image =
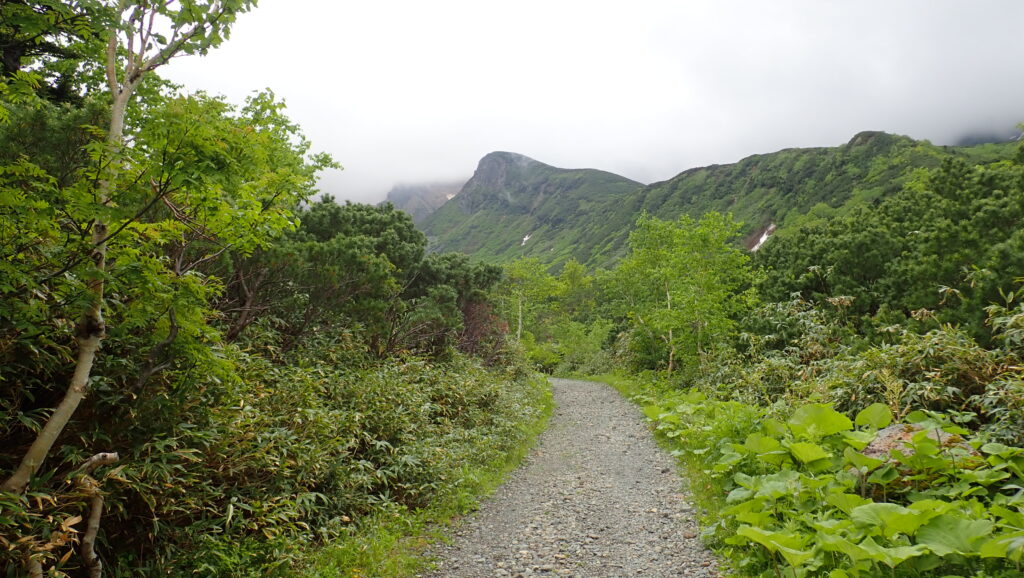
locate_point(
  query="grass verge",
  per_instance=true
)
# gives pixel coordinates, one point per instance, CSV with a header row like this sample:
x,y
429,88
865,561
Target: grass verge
x,y
390,544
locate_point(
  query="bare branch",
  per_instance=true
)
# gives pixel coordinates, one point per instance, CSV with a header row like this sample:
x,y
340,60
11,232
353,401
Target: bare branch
x,y
207,258
102,459
172,48
92,489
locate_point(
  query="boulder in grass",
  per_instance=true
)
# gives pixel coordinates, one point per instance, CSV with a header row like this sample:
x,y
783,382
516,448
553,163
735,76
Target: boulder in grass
x,y
900,437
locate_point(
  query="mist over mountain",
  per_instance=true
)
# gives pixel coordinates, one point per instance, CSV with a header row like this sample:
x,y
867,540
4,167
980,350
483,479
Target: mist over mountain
x,y
422,199
988,137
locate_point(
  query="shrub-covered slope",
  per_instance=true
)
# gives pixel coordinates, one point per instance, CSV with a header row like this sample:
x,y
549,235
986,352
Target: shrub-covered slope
x,y
511,197
587,215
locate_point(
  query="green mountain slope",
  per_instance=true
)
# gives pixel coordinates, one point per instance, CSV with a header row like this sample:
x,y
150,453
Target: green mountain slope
x,y
793,186
512,196
587,215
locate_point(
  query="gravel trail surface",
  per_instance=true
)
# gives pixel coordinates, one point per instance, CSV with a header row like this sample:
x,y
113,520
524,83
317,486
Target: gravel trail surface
x,y
596,497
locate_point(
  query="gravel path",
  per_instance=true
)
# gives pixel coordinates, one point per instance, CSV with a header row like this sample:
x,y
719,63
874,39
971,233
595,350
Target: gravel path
x,y
596,497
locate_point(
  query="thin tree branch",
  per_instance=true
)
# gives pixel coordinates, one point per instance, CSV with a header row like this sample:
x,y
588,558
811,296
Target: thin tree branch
x,y
92,489
138,215
152,368
102,459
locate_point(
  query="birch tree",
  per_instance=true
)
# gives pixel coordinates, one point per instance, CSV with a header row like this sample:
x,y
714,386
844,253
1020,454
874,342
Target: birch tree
x,y
680,283
142,37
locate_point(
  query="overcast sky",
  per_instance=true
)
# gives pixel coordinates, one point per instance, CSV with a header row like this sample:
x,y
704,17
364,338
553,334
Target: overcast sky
x,y
414,90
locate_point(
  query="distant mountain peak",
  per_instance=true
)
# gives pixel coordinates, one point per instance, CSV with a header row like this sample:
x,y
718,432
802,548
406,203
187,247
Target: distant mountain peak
x,y
497,168
515,205
878,139
504,157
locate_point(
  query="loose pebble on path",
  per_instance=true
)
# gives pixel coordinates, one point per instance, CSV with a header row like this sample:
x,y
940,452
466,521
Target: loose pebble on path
x,y
595,498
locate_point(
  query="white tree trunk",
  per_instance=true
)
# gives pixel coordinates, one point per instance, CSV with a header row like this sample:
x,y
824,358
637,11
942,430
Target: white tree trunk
x,y
90,331
519,322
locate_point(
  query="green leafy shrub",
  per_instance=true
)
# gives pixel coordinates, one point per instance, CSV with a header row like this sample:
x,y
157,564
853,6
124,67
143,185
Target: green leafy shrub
x,y
296,456
812,504
796,352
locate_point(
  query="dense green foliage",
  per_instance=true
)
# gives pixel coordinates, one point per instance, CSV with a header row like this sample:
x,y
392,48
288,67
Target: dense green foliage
x,y
63,36
775,464
667,305
690,292
951,237
857,410
276,375
798,488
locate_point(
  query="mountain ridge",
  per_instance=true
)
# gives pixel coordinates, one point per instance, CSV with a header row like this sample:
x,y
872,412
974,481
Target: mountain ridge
x,y
515,206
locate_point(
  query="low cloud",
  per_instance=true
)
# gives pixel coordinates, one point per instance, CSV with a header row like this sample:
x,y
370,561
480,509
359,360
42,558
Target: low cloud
x,y
409,91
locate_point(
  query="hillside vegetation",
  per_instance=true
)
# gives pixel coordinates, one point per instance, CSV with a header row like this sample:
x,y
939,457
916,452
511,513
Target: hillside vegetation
x,y
587,215
511,197
205,370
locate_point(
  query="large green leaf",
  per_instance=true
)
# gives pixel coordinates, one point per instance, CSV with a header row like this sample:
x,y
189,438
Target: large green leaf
x,y
859,439
874,416
815,421
984,477
807,452
751,512
1003,546
833,543
846,502
884,475
653,412
767,449
1006,456
860,460
892,519
760,444
891,557
779,484
948,534
933,507
785,543
1001,450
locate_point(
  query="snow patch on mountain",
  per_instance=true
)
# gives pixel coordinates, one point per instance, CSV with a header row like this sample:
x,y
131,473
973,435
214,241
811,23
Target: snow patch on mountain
x,y
764,237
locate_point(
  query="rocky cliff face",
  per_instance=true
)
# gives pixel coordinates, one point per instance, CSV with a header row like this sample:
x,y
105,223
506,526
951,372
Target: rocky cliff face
x,y
503,169
504,179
